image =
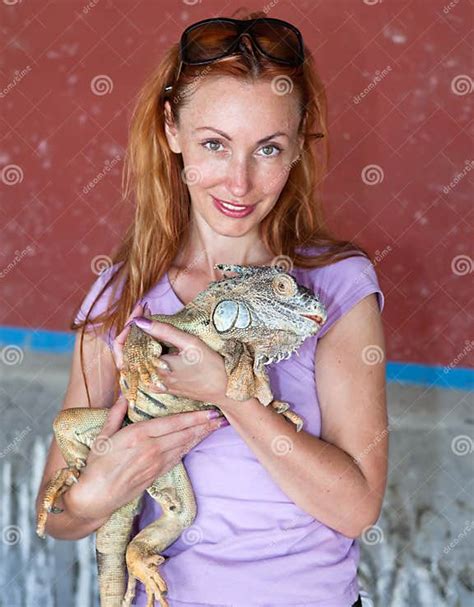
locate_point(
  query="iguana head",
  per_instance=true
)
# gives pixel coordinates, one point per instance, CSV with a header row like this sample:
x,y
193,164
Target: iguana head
x,y
264,307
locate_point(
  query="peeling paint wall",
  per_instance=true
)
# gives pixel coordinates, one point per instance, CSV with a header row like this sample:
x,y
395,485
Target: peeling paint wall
x,y
399,81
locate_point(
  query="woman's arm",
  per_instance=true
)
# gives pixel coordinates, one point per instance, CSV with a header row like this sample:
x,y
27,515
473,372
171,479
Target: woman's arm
x,y
339,478
100,372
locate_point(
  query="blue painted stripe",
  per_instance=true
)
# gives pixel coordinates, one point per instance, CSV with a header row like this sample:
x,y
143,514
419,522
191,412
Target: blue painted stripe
x,y
60,342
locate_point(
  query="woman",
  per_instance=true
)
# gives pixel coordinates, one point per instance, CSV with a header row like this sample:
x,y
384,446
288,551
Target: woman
x,y
223,159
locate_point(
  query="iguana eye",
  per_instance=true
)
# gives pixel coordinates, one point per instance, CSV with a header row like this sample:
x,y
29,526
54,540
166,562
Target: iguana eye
x,y
284,285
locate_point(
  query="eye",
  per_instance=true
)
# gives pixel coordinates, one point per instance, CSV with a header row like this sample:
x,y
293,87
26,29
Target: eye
x,y
275,147
284,285
212,142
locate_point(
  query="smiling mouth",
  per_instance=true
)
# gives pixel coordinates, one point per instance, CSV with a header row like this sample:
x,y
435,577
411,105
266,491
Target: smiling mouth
x,y
232,206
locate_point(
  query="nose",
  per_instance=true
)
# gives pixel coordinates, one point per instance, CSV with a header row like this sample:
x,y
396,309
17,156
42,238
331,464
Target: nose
x,y
238,177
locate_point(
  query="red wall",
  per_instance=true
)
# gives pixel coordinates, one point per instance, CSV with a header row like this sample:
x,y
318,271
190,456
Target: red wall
x,y
413,123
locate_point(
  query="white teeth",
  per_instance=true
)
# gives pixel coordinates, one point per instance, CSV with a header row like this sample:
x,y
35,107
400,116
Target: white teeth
x,y
232,207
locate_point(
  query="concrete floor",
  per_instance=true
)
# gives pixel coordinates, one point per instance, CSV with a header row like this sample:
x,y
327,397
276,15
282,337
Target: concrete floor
x,y
419,554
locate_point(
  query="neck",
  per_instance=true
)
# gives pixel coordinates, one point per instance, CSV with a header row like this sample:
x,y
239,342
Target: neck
x,y
205,248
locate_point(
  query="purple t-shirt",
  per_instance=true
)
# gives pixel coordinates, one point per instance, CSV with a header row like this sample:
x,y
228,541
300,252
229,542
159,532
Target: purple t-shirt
x,y
250,545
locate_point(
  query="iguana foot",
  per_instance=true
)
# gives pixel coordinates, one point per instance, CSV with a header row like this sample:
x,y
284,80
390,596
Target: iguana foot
x,y
283,408
62,480
143,565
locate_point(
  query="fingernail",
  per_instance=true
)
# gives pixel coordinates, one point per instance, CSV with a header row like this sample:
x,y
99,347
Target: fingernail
x,y
223,422
162,364
160,386
213,414
142,322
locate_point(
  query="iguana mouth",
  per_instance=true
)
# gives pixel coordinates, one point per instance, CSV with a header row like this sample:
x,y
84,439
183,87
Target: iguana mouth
x,y
315,317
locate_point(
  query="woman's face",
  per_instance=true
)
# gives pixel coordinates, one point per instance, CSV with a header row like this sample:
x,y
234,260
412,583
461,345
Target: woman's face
x,y
248,161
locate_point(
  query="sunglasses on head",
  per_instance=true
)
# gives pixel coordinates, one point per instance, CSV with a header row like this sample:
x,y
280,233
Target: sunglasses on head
x,y
212,39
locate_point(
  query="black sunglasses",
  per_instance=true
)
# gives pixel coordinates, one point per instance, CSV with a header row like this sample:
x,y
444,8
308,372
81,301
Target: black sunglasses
x,y
212,39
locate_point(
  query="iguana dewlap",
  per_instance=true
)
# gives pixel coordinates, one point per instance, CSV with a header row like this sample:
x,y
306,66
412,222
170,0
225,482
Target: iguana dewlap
x,y
257,317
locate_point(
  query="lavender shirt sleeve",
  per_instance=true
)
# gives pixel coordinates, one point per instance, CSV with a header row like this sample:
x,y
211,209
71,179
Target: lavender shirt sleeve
x,y
102,304
343,284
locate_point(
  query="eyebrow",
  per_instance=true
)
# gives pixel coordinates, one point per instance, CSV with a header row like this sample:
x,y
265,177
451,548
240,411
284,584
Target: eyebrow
x,y
210,128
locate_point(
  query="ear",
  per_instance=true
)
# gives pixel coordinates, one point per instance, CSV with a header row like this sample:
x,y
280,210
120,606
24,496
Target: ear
x,y
171,131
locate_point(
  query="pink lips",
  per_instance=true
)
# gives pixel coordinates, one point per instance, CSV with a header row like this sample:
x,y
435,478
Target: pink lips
x,y
232,213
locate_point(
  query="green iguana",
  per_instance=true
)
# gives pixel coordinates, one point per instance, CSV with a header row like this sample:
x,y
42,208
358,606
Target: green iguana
x,y
260,316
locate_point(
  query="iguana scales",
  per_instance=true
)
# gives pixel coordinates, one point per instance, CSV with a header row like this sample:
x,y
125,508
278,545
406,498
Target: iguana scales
x,y
257,317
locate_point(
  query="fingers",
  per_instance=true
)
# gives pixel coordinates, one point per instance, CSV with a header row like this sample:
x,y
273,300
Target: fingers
x,y
163,331
115,417
179,443
161,426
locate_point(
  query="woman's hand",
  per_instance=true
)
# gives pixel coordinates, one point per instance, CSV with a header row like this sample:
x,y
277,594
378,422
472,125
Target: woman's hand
x,y
196,372
125,461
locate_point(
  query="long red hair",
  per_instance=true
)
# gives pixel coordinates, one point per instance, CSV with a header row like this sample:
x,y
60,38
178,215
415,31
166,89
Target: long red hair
x,y
152,181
